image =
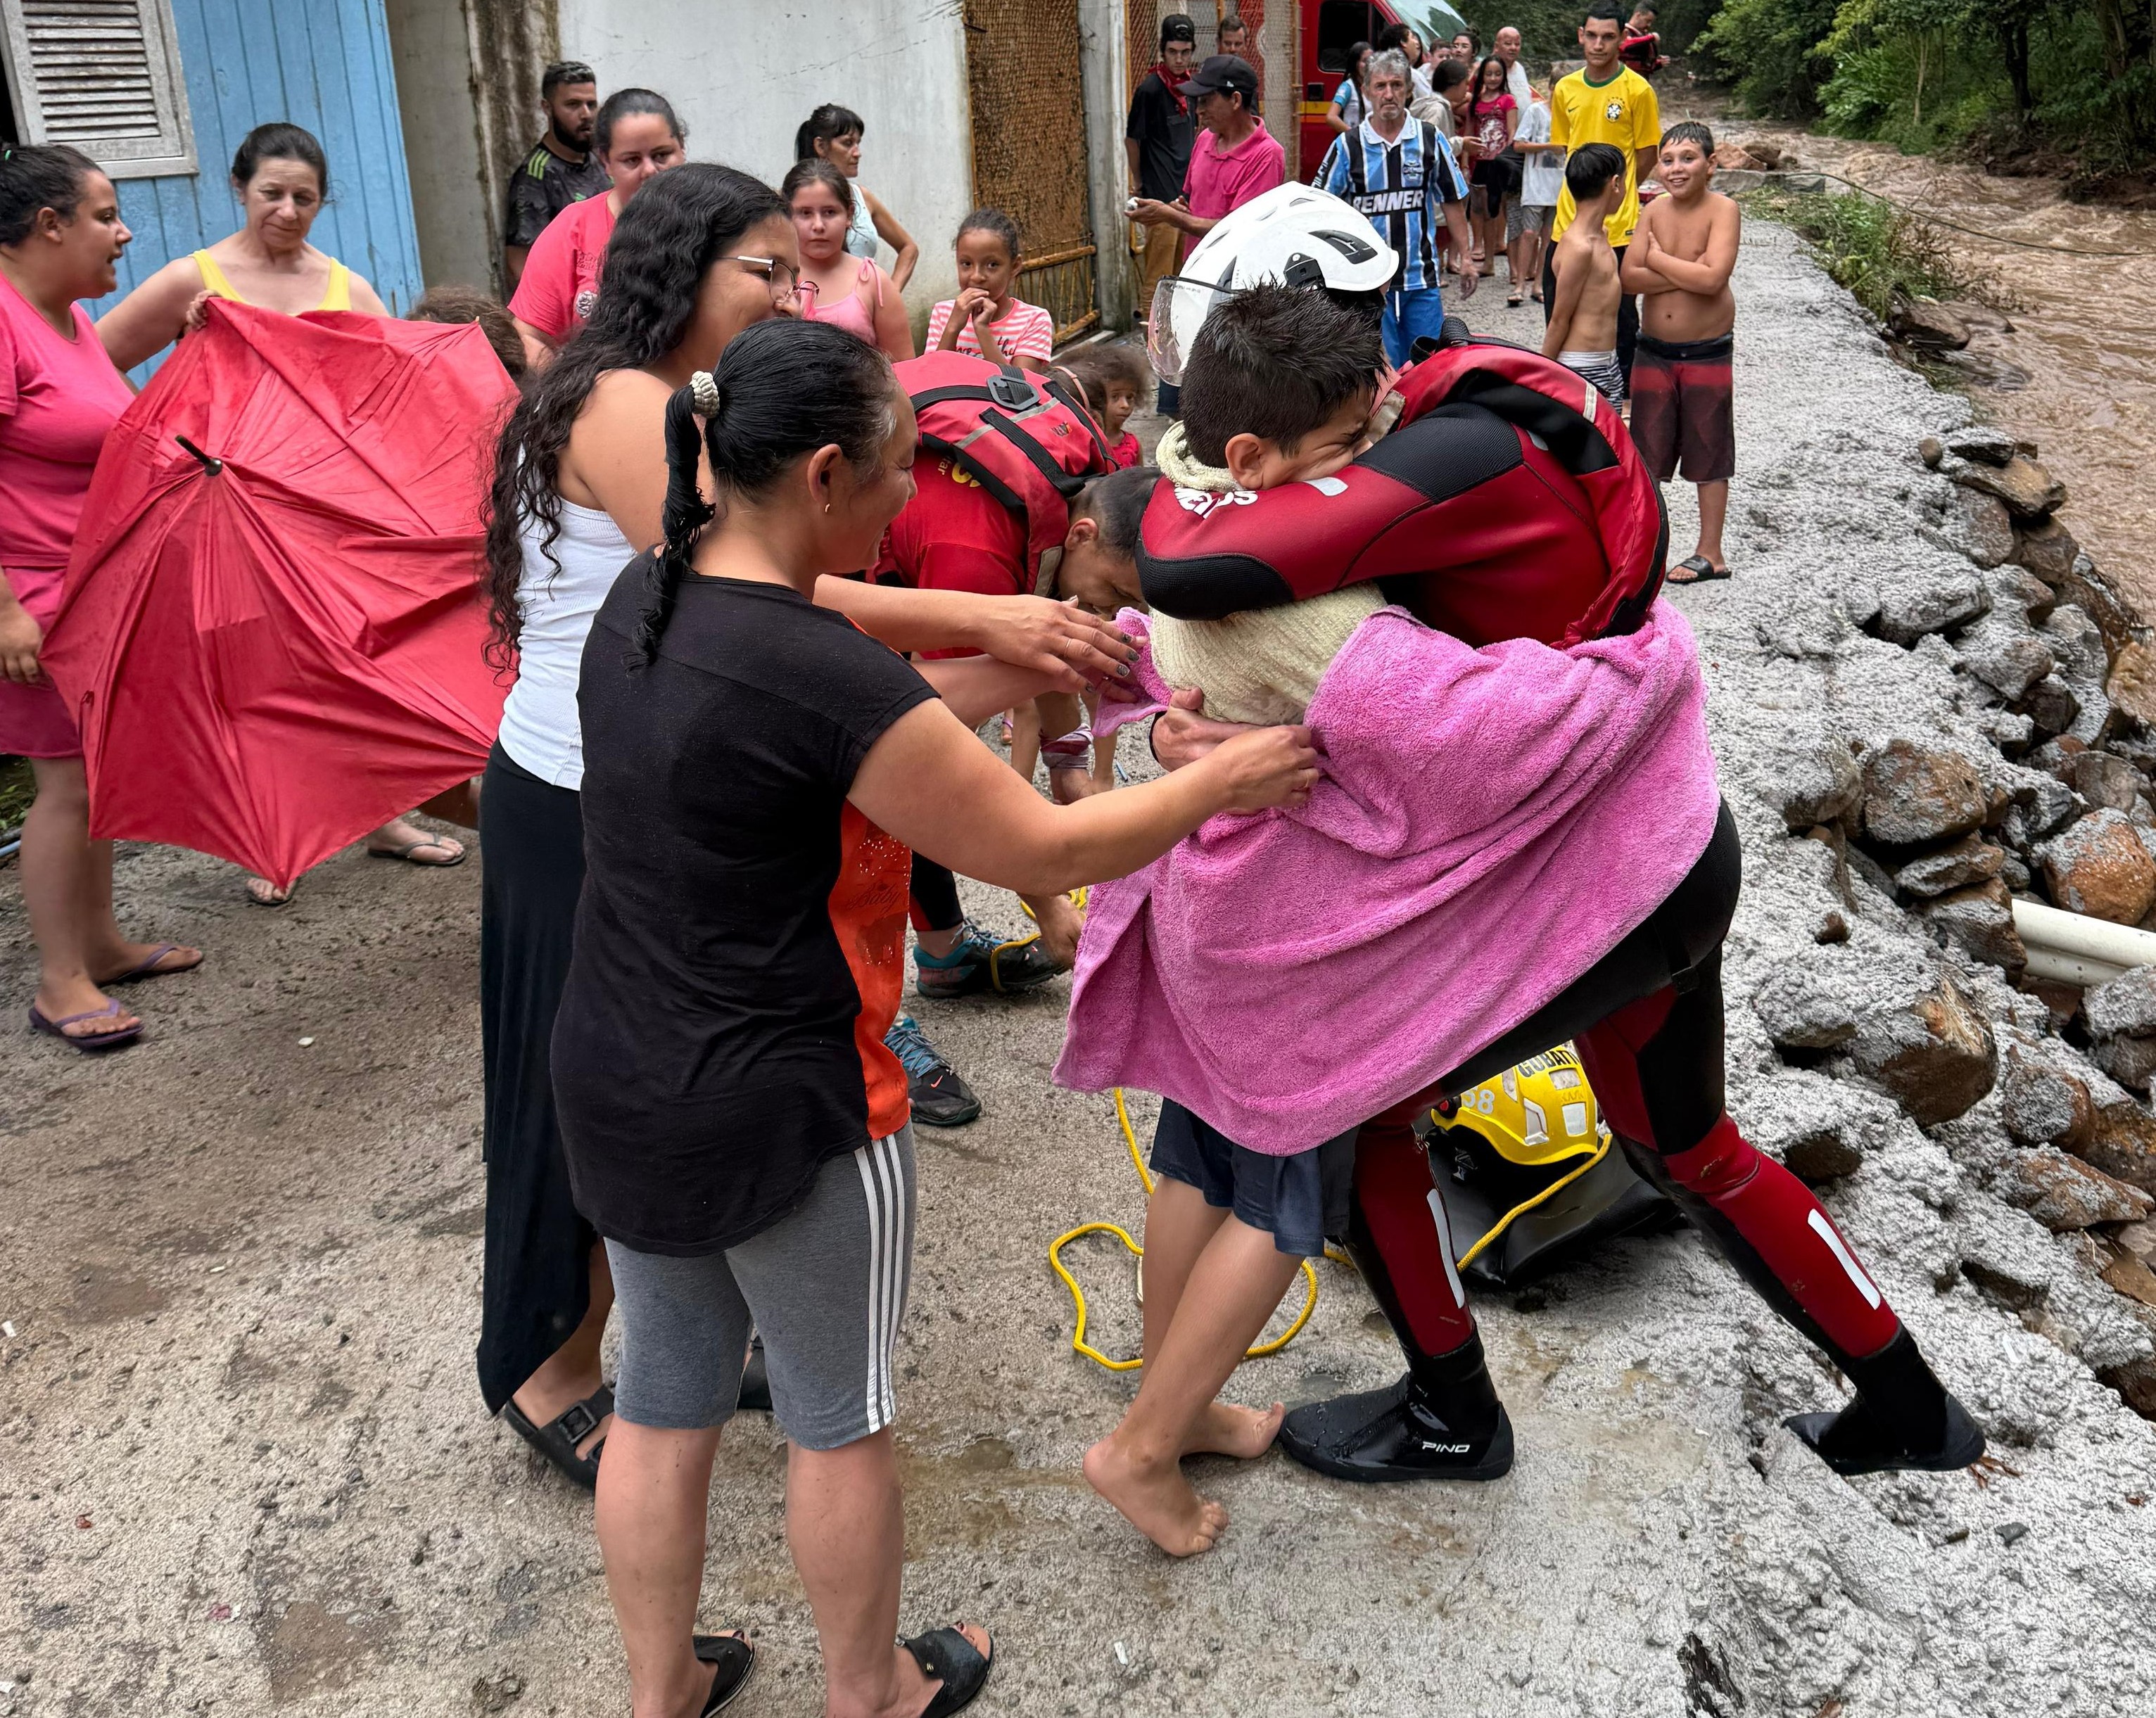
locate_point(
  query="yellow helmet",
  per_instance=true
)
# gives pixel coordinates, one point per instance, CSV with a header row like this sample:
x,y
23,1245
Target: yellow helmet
x,y
1542,1111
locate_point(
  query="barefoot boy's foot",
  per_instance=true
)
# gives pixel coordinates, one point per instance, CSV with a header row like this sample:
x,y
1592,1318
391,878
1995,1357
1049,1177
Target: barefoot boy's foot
x,y
1157,1501
1225,1428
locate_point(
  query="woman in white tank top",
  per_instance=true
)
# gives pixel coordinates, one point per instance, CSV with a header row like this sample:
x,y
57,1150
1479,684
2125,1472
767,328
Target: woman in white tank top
x,y
579,489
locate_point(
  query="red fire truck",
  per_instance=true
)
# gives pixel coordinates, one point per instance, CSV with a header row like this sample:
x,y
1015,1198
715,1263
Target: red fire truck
x,y
1329,28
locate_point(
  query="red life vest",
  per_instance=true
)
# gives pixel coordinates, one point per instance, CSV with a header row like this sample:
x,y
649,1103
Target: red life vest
x,y
1023,437
1507,502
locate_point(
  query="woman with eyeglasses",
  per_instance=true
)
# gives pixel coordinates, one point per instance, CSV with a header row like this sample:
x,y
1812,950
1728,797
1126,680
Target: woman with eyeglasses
x,y
579,488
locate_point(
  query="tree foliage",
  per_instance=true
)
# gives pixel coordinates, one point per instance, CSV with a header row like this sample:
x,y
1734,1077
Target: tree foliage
x,y
2075,75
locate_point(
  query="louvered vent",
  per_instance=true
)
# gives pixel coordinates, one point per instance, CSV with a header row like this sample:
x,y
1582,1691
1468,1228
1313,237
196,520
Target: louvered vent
x,y
91,68
103,75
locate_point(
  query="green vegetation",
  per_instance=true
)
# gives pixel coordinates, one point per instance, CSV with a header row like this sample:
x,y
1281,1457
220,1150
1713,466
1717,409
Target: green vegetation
x,y
2077,77
1549,30
16,792
1876,251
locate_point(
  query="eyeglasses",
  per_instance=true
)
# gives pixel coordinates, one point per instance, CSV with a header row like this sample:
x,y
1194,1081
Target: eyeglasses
x,y
783,278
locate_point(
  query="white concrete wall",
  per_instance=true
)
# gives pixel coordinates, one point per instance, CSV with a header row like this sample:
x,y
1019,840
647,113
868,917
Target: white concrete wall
x,y
452,193
743,75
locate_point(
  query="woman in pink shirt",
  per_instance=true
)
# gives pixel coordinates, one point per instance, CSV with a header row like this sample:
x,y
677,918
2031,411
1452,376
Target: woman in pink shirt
x,y
836,285
636,135
61,236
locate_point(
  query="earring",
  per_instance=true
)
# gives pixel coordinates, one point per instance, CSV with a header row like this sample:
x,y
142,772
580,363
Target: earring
x,y
827,506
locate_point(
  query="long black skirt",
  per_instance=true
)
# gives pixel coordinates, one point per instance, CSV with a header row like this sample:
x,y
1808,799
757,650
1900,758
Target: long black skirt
x,y
536,1287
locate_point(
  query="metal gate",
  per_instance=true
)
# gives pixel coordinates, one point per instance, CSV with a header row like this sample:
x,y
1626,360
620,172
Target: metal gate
x,y
1029,118
1271,25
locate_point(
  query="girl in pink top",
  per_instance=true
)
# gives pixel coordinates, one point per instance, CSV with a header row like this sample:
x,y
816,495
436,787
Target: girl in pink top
x,y
635,135
61,236
1497,122
837,286
985,318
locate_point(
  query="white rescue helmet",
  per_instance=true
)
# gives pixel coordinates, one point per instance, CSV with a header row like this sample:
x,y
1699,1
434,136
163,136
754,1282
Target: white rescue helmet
x,y
1294,232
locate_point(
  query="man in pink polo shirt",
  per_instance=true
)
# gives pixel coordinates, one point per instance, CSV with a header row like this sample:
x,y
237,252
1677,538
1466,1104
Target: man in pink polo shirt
x,y
1235,161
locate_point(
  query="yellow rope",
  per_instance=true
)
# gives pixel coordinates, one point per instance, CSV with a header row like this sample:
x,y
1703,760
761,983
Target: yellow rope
x,y
1078,1342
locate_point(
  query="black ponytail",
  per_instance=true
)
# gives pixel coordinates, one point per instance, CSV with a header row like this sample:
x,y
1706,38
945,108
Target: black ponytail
x,y
781,390
826,125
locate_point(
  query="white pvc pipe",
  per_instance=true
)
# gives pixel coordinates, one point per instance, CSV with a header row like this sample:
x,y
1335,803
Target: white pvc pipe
x,y
2057,969
2094,940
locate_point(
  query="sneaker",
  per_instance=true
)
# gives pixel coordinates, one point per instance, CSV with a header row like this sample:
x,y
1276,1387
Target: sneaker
x,y
978,962
940,1098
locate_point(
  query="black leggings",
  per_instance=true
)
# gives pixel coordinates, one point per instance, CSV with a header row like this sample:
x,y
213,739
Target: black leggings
x,y
536,1286
1648,1020
935,897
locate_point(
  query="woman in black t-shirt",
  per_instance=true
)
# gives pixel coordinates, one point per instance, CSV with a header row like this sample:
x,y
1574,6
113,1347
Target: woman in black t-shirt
x,y
755,768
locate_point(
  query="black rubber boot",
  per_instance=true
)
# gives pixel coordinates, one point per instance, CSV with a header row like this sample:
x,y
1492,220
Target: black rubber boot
x,y
1902,1418
1442,1421
755,1381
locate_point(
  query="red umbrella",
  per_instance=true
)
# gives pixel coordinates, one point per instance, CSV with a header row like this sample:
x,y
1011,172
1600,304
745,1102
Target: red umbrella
x,y
271,632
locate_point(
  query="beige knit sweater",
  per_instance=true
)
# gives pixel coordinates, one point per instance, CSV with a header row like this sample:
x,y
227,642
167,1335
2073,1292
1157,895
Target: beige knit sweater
x,y
1262,665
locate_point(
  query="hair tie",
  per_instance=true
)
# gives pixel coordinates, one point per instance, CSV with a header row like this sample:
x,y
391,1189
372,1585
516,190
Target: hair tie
x,y
704,393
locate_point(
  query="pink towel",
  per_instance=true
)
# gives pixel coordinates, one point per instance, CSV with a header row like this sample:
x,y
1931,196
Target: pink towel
x,y
1493,822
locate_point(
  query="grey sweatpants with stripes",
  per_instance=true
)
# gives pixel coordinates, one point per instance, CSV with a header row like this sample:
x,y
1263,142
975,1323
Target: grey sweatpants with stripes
x,y
824,1285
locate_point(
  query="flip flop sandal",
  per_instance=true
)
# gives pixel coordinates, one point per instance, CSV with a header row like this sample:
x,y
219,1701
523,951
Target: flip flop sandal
x,y
1512,298
736,1660
149,968
266,896
95,1044
558,1439
1702,570
946,1656
409,848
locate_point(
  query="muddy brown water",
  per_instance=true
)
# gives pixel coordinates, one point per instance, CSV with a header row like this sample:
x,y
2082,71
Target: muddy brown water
x,y
2077,373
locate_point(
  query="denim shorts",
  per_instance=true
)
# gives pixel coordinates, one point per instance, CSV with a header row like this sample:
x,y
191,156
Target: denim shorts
x,y
1298,1200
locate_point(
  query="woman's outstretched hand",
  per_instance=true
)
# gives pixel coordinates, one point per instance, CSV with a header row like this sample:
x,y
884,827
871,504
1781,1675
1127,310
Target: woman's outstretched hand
x,y
1261,767
1059,639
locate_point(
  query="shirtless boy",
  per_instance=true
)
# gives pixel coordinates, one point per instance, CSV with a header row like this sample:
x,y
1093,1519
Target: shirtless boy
x,y
1582,334
1679,262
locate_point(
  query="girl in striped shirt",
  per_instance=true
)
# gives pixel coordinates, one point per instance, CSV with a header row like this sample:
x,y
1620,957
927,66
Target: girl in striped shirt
x,y
984,319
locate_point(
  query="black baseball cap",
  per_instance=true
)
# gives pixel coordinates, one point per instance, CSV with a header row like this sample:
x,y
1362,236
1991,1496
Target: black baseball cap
x,y
1221,72
1177,27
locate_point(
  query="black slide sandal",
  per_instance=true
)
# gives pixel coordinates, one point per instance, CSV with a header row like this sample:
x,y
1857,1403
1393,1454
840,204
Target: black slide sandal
x,y
946,1656
1702,570
558,1439
736,1662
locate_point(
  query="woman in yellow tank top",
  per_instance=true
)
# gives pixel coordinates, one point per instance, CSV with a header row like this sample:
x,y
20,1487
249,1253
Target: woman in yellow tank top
x,y
281,178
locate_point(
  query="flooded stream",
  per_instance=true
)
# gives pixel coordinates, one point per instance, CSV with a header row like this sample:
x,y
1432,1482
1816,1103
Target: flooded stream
x,y
2077,373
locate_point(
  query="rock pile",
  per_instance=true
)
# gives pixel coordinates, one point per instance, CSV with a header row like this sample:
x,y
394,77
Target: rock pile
x,y
2031,779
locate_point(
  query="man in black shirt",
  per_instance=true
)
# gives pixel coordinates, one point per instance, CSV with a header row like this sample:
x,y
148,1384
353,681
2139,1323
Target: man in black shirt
x,y
1156,141
561,169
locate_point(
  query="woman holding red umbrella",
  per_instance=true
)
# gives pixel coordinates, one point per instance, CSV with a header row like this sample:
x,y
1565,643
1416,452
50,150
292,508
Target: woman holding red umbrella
x,y
61,236
281,178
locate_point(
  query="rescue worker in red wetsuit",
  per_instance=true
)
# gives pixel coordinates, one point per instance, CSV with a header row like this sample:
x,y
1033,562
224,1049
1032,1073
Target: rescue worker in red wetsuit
x,y
1509,503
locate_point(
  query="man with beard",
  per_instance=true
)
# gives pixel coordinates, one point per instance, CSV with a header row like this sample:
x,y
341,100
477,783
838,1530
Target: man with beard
x,y
561,169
